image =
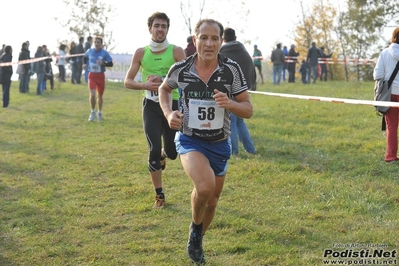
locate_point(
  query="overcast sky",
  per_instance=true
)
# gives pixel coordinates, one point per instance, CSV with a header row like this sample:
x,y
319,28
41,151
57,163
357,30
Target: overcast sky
x,y
266,25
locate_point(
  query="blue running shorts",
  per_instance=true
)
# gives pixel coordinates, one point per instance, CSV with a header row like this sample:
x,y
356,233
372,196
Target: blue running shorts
x,y
217,152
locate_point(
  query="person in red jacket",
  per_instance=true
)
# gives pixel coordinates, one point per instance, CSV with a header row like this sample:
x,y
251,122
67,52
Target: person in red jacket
x,y
190,49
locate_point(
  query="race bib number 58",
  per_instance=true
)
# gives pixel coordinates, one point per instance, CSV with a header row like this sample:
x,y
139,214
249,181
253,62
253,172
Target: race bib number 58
x,y
205,114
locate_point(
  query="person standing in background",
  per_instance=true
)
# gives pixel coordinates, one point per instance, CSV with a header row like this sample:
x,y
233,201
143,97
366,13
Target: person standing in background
x,y
386,63
257,57
48,70
304,70
285,51
5,74
236,51
61,60
278,59
79,60
24,76
292,57
31,64
154,60
72,61
323,64
2,49
88,43
190,49
39,69
313,60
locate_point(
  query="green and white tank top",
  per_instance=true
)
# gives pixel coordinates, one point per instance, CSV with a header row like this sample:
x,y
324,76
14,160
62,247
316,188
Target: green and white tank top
x,y
157,64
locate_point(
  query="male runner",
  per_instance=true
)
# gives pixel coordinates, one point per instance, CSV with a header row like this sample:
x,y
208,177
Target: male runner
x,y
154,62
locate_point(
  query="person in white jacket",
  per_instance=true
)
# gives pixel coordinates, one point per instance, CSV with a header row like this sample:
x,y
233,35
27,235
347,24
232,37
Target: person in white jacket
x,y
386,63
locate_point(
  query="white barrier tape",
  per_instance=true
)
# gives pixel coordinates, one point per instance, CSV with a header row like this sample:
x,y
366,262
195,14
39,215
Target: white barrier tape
x,y
323,61
25,61
32,60
337,59
328,99
355,61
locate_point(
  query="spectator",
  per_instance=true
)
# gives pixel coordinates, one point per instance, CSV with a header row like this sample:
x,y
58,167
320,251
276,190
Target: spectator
x,y
61,60
88,43
323,64
292,57
31,72
72,61
236,51
5,74
386,63
277,59
313,60
190,49
79,60
48,70
304,70
24,77
285,51
2,50
257,57
39,69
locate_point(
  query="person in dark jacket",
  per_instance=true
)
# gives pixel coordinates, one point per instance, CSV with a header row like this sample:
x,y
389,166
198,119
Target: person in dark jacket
x,y
25,76
236,51
304,70
39,69
5,74
2,49
285,51
72,60
313,60
48,70
292,57
278,59
323,64
79,60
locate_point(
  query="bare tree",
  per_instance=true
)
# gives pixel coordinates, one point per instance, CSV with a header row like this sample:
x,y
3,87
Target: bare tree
x,y
363,23
186,8
89,17
235,15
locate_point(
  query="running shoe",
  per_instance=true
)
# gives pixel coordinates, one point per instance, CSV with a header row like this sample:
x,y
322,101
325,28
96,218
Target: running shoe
x,y
100,116
159,202
92,116
194,246
200,263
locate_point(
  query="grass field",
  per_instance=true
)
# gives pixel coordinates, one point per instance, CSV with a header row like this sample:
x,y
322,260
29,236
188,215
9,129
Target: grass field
x,y
79,193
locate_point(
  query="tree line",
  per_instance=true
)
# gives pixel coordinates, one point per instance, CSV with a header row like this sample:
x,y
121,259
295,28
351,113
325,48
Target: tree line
x,y
351,31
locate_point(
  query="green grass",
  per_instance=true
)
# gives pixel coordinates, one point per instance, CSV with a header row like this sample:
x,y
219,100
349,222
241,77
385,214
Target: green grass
x,y
79,193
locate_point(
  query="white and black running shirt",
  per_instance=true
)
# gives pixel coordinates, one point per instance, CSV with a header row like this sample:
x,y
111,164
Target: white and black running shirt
x,y
203,119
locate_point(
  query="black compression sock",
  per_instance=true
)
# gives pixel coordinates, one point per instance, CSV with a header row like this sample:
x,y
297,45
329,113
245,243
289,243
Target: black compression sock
x,y
159,191
197,227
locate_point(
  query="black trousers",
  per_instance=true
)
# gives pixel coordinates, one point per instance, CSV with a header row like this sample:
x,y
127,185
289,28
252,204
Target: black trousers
x,y
78,72
156,128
